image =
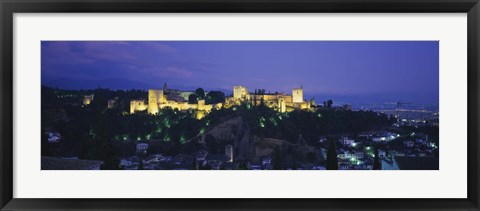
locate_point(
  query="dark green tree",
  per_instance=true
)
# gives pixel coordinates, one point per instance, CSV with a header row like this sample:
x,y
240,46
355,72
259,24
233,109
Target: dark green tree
x,y
103,148
195,164
332,162
376,160
45,148
294,164
392,119
311,157
192,99
242,166
214,97
277,165
330,103
100,99
140,165
262,103
200,93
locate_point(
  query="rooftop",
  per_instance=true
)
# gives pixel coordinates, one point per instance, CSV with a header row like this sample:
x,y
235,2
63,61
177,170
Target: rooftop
x,y
417,163
50,163
220,157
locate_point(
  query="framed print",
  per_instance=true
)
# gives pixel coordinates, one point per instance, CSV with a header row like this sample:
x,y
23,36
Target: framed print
x,y
239,105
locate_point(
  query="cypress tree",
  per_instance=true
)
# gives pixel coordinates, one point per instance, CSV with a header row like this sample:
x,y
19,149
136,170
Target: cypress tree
x,y
332,162
103,148
278,159
45,146
376,160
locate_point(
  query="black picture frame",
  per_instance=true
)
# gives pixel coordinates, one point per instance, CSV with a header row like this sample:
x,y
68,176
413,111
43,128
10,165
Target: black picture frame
x,y
9,7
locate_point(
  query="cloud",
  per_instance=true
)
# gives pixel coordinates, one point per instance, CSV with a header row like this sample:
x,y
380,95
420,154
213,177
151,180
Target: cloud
x,y
157,72
168,72
87,52
63,53
161,47
132,59
193,65
75,53
109,51
178,72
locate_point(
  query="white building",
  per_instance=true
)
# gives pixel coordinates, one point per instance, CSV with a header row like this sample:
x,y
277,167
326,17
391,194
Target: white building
x,y
240,92
349,155
385,136
346,141
379,139
54,137
382,154
131,161
409,143
319,168
266,160
297,95
421,141
142,148
229,153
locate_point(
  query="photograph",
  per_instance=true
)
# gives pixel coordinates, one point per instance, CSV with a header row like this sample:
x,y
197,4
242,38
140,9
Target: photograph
x,y
239,105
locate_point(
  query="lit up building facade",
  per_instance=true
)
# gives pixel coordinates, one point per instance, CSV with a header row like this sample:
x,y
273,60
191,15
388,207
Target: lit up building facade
x,y
279,101
297,95
229,153
155,97
87,99
171,98
240,92
176,99
112,103
137,105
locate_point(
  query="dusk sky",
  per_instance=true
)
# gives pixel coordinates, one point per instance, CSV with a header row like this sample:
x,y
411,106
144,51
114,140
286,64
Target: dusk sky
x,y
355,71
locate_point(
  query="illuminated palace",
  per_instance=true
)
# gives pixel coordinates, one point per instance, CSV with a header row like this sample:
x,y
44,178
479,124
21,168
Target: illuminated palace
x,y
173,98
279,101
176,99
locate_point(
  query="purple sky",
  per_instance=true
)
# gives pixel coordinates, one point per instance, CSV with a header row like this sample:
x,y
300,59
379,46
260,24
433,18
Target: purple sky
x,y
368,70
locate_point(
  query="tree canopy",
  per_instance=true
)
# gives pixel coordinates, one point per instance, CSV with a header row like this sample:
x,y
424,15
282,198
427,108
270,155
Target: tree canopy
x,y
200,93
